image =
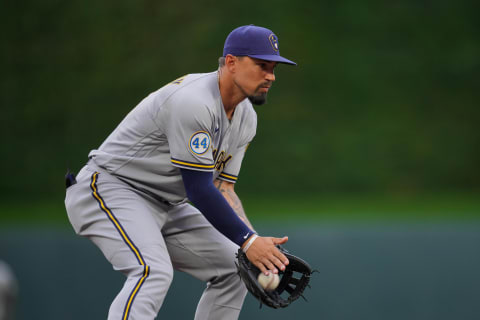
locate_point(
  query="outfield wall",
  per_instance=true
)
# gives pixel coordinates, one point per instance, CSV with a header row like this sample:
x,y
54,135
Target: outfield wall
x,y
380,271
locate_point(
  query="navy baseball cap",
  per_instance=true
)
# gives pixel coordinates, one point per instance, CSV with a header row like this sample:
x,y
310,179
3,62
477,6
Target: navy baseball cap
x,y
255,42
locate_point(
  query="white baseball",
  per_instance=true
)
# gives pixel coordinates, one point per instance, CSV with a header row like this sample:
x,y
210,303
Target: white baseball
x,y
269,282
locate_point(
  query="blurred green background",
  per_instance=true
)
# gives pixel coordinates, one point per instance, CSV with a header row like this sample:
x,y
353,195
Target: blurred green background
x,y
378,123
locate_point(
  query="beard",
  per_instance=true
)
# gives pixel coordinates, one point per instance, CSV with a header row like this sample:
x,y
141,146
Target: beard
x,y
258,99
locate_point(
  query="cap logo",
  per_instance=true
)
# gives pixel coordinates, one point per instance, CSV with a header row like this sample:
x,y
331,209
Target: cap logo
x,y
273,41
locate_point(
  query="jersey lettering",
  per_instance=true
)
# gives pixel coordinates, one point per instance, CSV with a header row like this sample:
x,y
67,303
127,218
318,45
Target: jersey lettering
x,y
179,80
220,159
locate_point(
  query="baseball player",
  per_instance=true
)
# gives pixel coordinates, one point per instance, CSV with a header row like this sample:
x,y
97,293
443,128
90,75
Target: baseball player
x,y
185,141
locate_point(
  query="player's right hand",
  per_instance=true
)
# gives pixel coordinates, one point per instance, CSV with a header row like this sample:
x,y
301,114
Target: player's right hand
x,y
265,256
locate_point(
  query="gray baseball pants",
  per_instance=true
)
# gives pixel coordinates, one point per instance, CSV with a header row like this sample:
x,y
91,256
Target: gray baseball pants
x,y
146,240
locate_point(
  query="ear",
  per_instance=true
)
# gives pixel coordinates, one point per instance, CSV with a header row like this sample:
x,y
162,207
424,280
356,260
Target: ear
x,y
231,63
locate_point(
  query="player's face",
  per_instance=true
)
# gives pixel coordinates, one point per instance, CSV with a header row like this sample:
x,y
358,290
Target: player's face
x,y
254,77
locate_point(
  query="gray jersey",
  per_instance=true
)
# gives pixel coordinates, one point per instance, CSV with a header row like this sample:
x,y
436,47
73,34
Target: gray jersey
x,y
182,125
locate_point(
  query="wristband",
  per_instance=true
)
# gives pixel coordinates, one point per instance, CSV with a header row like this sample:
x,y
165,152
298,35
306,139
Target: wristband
x,y
249,243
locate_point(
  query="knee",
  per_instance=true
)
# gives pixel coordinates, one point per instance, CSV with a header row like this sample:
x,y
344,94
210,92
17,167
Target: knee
x,y
238,286
160,274
232,286
226,268
228,277
153,283
154,275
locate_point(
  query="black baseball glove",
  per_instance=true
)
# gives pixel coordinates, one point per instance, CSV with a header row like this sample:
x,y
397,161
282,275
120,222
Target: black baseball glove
x,y
293,280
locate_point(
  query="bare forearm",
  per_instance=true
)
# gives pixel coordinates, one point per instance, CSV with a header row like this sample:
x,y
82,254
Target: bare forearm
x,y
233,200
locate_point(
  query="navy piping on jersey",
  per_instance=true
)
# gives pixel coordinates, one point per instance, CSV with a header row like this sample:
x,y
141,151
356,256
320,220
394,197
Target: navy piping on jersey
x,y
128,242
228,177
191,165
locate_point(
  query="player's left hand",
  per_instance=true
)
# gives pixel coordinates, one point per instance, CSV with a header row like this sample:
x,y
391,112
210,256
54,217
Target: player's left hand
x,y
293,280
264,254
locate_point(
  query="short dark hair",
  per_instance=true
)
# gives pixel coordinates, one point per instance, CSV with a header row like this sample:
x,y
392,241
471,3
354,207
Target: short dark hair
x,y
221,60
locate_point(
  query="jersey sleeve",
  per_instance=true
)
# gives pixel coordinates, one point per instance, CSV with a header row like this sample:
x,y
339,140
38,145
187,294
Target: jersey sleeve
x,y
233,161
232,168
188,130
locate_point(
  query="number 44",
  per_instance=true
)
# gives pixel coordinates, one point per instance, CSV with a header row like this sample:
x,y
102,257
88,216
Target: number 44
x,y
197,144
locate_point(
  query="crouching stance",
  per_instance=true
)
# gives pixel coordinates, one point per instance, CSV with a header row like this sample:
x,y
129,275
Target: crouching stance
x,y
182,144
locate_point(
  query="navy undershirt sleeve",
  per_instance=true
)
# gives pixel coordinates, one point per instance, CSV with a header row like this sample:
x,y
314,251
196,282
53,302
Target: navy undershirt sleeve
x,y
203,194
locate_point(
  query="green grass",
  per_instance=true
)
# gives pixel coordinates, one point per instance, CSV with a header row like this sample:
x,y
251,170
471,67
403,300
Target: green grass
x,y
336,208
356,208
37,213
